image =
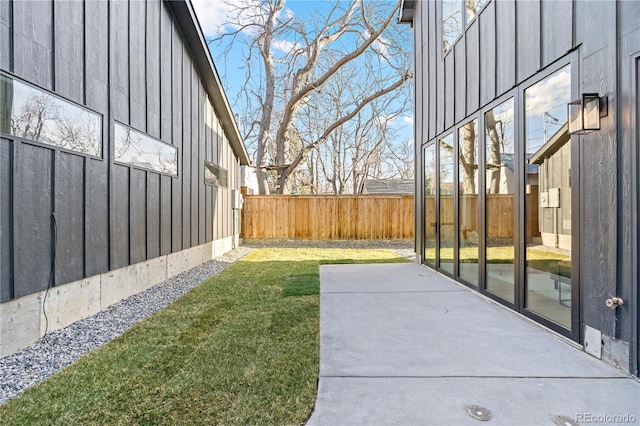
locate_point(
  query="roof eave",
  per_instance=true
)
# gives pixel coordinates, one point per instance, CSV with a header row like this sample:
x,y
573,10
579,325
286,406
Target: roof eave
x,y
187,20
406,12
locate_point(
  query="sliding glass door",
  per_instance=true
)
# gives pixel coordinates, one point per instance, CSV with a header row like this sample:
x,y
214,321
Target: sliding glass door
x,y
548,200
509,230
468,202
446,200
430,222
500,205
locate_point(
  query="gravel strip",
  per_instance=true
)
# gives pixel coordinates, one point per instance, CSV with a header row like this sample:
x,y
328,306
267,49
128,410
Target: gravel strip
x,y
59,348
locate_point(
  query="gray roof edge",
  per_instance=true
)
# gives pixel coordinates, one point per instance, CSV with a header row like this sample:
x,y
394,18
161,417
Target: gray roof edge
x,y
405,15
187,20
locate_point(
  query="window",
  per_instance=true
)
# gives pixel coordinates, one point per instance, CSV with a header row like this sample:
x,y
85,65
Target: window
x,y
472,8
447,212
468,201
548,197
454,13
430,180
214,175
140,150
500,200
451,23
30,113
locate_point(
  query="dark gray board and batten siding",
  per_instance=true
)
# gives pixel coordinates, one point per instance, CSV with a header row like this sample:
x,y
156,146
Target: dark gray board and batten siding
x,y
513,41
128,62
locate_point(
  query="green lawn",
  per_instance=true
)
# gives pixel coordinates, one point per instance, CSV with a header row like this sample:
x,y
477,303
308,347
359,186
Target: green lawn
x,y
242,348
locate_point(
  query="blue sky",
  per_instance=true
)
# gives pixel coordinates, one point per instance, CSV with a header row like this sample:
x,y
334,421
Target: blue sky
x,y
214,14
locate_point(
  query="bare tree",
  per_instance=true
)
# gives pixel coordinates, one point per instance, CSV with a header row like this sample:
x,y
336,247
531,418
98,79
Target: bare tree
x,y
468,156
297,58
41,117
496,136
400,158
364,147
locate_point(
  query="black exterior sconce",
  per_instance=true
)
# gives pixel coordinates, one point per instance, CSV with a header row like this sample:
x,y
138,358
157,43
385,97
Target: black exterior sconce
x,y
585,113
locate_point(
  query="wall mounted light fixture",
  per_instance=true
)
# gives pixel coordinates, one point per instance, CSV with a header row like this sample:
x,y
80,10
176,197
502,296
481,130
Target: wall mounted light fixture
x,y
585,113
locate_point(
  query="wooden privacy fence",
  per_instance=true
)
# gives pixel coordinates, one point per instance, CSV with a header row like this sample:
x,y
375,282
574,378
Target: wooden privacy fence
x,y
500,215
327,217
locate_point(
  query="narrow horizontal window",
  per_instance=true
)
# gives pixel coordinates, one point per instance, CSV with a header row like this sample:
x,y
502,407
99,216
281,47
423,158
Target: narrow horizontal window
x,y
30,113
214,175
141,150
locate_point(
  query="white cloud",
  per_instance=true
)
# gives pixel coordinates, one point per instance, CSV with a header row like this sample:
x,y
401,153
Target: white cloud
x,y
407,119
380,45
217,15
284,46
212,15
550,95
288,14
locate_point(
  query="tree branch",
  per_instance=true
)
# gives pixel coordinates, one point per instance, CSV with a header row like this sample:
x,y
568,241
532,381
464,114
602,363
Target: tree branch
x,y
348,117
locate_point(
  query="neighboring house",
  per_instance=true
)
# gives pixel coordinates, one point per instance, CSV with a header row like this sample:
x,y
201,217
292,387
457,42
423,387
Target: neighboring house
x,y
249,180
119,157
555,208
554,190
388,186
505,175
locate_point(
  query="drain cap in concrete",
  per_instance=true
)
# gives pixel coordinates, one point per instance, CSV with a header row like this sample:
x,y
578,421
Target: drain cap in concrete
x,y
478,412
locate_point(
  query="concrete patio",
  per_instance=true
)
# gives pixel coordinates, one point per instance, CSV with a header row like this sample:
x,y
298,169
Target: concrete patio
x,y
402,345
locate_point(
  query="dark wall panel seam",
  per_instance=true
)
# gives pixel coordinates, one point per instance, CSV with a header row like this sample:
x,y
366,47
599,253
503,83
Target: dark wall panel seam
x,y
162,136
129,71
84,214
55,159
107,146
11,39
146,70
11,220
173,181
53,47
515,41
540,30
84,58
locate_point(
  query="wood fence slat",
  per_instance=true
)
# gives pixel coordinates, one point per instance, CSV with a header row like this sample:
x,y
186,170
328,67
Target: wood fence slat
x,y
322,217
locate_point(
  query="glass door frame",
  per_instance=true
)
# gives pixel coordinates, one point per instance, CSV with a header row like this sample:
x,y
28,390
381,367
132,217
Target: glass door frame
x,y
480,182
520,234
577,202
634,359
439,220
426,226
482,202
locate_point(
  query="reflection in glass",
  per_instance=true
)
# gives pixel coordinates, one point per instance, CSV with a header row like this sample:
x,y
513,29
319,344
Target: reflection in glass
x,y
473,7
214,175
446,203
548,197
32,114
451,23
430,173
140,150
468,201
500,212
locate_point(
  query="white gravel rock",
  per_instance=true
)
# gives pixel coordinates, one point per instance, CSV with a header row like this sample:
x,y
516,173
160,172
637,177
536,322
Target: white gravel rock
x,y
58,349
